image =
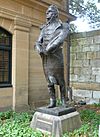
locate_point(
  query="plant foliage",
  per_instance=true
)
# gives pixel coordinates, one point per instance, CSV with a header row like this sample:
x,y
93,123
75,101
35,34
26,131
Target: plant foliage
x,y
90,126
86,11
14,124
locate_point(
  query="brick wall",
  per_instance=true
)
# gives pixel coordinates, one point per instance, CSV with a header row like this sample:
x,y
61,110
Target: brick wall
x,y
85,66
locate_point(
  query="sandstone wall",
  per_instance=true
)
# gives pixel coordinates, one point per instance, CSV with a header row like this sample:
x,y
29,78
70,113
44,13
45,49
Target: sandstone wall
x,y
85,66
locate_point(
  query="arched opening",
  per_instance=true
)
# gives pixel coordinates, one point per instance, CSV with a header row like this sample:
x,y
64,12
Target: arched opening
x,y
5,57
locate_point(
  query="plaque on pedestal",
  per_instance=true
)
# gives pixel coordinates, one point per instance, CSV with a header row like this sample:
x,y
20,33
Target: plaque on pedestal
x,y
56,121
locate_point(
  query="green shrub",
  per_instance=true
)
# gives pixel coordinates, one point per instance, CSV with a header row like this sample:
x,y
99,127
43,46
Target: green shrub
x,y
90,126
14,124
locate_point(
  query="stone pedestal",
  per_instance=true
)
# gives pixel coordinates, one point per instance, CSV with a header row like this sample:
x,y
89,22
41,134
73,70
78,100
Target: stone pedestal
x,y
56,123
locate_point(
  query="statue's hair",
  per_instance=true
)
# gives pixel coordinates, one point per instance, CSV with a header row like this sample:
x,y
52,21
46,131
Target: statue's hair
x,y
55,9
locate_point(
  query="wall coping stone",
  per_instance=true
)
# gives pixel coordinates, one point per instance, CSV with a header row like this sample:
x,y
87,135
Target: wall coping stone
x,y
85,34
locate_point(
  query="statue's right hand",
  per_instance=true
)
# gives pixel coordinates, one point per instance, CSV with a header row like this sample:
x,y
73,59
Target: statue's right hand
x,y
38,47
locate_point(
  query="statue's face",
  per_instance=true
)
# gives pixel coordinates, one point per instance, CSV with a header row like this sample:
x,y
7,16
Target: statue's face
x,y
49,14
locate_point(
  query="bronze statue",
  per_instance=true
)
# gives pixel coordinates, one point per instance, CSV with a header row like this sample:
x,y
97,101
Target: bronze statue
x,y
49,46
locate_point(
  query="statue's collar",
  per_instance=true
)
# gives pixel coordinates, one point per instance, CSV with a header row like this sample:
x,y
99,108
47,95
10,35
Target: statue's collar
x,y
57,23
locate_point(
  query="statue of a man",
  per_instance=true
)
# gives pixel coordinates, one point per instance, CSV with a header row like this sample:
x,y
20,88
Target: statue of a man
x,y
49,46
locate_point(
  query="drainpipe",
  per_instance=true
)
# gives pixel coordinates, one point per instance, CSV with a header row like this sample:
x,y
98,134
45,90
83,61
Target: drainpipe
x,y
69,89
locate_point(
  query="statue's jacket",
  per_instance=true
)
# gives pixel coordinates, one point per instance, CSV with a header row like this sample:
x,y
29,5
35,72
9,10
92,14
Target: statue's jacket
x,y
51,38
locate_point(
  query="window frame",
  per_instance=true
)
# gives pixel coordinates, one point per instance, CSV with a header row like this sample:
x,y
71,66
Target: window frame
x,y
6,48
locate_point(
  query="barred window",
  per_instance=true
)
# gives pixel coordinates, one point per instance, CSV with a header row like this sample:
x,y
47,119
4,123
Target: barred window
x,y
5,57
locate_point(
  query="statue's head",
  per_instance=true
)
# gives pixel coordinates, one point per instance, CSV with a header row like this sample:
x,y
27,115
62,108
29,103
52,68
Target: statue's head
x,y
52,12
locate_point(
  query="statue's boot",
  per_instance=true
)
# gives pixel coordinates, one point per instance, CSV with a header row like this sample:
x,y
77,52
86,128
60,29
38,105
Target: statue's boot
x,y
64,98
52,97
52,103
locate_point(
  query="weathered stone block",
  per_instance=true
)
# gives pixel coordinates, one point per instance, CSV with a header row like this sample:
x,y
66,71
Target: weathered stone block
x,y
97,39
56,125
92,100
86,85
92,78
90,40
73,56
97,55
86,71
85,63
95,63
73,77
81,55
82,78
77,63
87,100
95,70
82,93
82,41
98,78
90,55
79,48
77,70
73,48
95,47
96,94
86,78
86,48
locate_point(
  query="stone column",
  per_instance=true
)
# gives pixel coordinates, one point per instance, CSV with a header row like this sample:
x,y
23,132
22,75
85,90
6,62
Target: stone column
x,y
20,64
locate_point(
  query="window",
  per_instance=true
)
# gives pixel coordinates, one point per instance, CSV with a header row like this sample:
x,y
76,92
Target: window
x,y
5,57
